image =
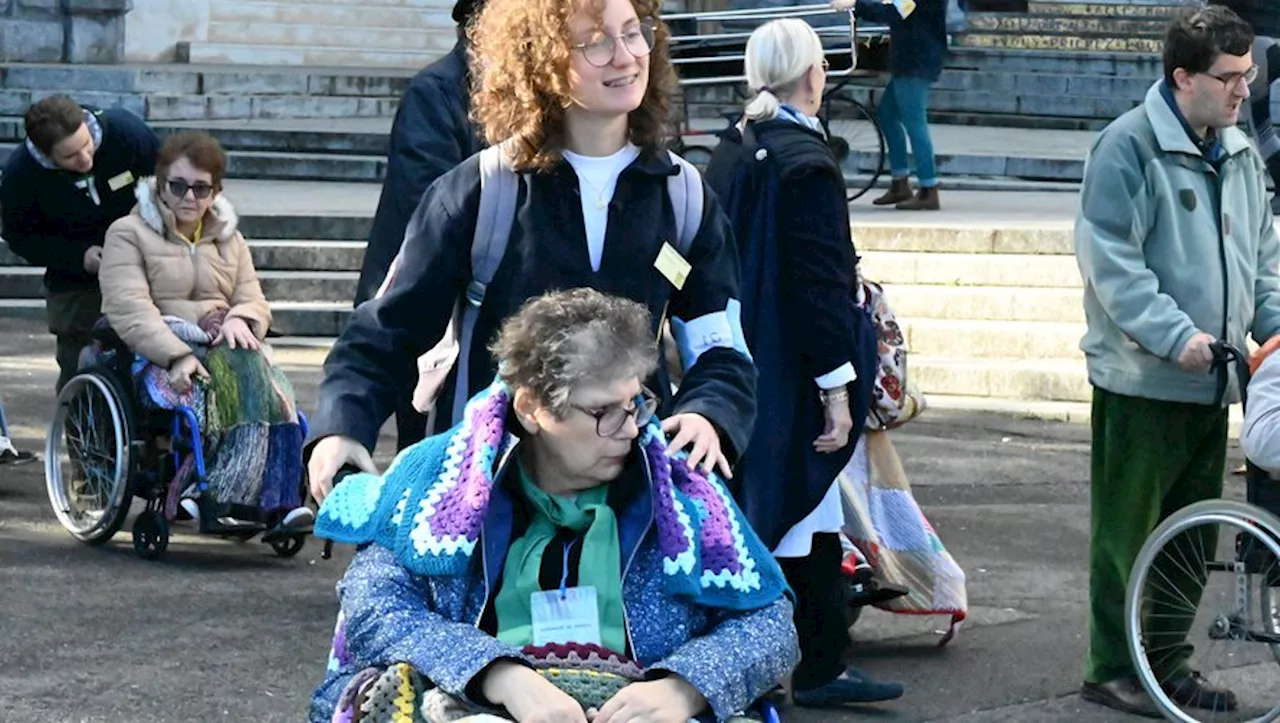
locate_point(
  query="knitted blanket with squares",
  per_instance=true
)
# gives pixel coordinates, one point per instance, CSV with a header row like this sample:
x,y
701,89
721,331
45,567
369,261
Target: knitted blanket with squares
x,y
891,533
248,419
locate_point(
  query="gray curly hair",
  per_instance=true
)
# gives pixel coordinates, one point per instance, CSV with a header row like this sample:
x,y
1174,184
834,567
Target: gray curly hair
x,y
563,340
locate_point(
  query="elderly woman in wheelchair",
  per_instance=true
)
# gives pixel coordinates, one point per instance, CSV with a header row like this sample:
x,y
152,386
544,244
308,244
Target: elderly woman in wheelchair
x,y
546,559
191,414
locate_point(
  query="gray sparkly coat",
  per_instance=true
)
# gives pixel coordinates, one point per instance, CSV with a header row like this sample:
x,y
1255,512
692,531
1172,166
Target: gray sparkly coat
x,y
389,615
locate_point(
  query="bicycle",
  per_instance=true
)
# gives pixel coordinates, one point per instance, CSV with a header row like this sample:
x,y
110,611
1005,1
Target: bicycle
x,y
715,59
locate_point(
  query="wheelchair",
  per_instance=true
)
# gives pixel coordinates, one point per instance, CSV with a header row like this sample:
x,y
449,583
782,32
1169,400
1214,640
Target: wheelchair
x,y
105,447
1189,563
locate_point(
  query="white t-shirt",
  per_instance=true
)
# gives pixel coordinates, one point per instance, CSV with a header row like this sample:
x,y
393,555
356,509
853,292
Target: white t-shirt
x,y
597,180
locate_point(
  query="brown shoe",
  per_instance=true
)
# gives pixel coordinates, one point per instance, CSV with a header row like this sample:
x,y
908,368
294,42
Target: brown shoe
x,y
899,191
926,199
1124,695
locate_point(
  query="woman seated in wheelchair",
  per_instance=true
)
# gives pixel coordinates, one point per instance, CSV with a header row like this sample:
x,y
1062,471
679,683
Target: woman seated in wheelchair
x,y
180,291
1260,433
546,559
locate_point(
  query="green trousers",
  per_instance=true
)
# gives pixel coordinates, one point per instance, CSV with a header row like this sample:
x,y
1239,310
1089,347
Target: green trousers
x,y
1150,459
71,316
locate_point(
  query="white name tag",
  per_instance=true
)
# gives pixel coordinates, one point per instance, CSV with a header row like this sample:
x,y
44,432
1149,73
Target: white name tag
x,y
569,617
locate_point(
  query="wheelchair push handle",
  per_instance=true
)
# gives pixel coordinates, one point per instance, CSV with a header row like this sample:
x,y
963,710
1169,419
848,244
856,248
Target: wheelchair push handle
x,y
346,471
1224,355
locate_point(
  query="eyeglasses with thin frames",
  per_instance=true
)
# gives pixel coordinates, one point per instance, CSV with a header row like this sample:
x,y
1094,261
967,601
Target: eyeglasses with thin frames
x,y
600,49
178,187
611,420
1231,80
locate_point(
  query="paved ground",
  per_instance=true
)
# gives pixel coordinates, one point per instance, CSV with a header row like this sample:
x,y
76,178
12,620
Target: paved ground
x,y
225,632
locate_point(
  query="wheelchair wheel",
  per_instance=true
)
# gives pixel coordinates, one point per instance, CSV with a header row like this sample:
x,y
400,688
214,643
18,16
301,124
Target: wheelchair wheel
x,y
88,463
289,546
1196,575
150,535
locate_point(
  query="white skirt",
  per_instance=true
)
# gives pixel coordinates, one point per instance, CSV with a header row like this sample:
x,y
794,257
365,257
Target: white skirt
x,y
828,516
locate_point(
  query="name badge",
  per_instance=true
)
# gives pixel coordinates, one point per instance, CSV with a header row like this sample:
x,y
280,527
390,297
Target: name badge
x,y
672,265
565,616
120,181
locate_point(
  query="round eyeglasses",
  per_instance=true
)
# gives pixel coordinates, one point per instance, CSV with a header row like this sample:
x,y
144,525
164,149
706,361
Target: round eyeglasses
x,y
610,420
599,49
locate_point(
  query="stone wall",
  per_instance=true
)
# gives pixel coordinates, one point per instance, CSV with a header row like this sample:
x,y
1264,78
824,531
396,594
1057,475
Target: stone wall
x,y
62,31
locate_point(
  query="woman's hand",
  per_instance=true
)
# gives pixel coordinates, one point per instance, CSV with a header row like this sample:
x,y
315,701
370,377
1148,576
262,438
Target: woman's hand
x,y
669,700
695,429
236,333
328,456
182,369
529,697
839,422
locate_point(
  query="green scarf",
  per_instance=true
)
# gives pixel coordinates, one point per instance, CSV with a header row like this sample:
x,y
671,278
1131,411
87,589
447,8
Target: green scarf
x,y
599,566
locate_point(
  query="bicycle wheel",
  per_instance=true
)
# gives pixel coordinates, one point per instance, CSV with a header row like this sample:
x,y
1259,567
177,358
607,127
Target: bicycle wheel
x,y
854,135
1196,575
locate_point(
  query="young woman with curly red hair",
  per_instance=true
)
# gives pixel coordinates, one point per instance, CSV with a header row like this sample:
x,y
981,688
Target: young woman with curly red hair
x,y
579,93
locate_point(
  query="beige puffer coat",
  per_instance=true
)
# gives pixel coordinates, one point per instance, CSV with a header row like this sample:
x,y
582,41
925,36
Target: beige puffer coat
x,y
149,271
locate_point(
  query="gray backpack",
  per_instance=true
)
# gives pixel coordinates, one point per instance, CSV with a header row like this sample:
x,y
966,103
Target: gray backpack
x,y
499,190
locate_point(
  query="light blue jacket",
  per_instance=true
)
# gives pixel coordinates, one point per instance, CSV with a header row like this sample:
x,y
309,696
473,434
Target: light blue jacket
x,y
1168,247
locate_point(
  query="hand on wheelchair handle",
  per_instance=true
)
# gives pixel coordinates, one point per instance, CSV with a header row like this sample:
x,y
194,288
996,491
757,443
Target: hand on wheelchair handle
x,y
330,458
1198,354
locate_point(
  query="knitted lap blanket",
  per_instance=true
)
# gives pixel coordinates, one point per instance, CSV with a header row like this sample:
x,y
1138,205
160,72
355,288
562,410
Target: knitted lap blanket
x,y
248,421
429,506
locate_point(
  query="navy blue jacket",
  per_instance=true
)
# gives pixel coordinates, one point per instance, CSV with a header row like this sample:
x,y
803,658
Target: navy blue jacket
x,y
374,360
799,312
1263,15
430,135
918,42
49,221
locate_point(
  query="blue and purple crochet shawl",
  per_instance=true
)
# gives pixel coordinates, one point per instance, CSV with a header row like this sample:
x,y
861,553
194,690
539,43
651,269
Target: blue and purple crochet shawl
x,y
429,506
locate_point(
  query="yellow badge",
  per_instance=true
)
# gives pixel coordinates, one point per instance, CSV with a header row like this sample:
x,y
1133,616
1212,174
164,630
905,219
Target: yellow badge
x,y
120,181
672,265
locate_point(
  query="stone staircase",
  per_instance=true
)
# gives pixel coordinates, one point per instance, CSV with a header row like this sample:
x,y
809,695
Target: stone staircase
x,y
992,313
1136,27
345,33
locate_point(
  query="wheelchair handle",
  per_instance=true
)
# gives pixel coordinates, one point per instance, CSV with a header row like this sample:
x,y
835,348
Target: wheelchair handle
x,y
1224,355
344,472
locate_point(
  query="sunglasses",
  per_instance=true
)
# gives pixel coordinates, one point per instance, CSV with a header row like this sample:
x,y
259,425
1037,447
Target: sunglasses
x,y
178,188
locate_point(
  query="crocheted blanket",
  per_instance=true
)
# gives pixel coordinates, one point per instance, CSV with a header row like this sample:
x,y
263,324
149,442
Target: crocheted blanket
x,y
428,508
248,419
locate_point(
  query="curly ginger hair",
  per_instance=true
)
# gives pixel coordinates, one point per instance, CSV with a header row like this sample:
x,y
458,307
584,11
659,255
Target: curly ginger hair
x,y
520,55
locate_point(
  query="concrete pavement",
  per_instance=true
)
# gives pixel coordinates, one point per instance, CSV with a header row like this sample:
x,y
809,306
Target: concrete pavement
x,y
227,632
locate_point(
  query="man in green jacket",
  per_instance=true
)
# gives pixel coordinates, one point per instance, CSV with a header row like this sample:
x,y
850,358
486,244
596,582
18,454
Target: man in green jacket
x,y
1176,246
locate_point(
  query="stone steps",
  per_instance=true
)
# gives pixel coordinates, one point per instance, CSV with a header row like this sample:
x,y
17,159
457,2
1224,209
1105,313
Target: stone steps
x,y
336,14
290,165
1054,25
343,33
1032,41
292,318
1073,27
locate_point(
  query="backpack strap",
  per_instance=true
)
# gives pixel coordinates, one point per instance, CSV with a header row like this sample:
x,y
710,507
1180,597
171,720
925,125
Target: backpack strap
x,y
499,189
685,190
